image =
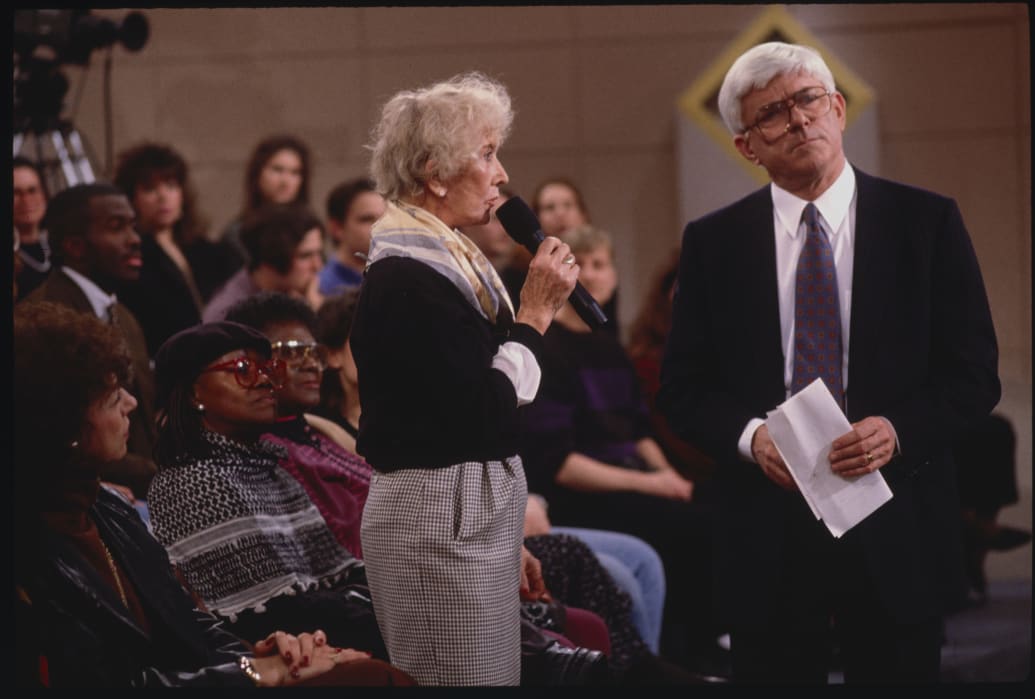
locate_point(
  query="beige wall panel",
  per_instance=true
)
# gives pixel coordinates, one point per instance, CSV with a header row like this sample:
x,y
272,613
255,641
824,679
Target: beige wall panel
x,y
921,77
869,16
408,29
629,91
198,34
540,82
220,188
222,112
630,196
963,170
625,21
134,108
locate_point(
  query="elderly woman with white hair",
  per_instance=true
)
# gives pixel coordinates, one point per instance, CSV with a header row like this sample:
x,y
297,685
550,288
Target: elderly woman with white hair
x,y
443,366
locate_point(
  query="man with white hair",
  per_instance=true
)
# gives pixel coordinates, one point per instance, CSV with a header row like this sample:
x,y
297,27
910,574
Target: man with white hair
x,y
874,287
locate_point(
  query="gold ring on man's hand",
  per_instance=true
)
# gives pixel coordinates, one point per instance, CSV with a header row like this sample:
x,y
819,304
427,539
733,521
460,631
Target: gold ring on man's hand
x,y
869,457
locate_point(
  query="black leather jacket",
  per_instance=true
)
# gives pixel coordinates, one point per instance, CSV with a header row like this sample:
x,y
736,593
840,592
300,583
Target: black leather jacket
x,y
73,631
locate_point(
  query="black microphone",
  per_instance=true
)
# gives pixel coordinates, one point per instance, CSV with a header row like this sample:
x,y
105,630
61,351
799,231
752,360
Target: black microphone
x,y
521,224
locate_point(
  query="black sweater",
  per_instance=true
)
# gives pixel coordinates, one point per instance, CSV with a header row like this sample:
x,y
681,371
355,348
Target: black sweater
x,y
430,397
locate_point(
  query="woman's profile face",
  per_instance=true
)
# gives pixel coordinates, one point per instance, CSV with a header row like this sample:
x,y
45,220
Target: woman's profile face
x,y
470,196
230,408
281,177
106,426
559,210
158,203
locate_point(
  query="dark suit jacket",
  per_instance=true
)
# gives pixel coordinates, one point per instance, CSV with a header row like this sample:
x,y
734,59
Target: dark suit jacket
x,y
137,468
922,353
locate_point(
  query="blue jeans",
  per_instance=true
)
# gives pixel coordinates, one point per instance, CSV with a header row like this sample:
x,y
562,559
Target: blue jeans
x,y
636,568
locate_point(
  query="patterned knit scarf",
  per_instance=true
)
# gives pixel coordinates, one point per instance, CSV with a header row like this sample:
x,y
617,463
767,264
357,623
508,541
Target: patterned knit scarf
x,y
240,529
410,231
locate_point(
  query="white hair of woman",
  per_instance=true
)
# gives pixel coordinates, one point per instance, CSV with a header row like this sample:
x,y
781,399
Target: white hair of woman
x,y
432,132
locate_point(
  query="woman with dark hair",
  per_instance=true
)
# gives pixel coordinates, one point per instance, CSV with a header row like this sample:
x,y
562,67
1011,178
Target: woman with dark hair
x,y
242,532
180,266
559,205
96,601
278,172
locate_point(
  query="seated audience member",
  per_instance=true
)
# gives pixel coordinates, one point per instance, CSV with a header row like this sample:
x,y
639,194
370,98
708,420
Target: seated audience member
x,y
30,206
95,249
646,348
95,598
182,268
242,533
352,209
285,254
336,479
589,450
277,173
986,469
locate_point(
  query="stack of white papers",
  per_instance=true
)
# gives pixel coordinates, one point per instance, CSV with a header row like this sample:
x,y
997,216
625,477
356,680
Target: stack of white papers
x,y
802,428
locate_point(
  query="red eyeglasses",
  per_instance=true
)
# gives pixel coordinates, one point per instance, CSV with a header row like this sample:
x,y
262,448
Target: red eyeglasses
x,y
247,371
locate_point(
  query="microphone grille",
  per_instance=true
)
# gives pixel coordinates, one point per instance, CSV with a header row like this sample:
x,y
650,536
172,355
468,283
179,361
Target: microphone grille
x,y
519,221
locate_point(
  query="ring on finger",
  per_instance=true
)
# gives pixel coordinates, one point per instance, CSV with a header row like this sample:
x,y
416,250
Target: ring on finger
x,y
569,259
869,457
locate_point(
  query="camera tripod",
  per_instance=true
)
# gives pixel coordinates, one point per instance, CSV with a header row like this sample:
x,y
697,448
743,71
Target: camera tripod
x,y
60,152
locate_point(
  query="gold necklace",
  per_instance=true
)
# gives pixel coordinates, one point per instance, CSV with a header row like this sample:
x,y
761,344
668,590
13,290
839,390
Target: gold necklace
x,y
114,572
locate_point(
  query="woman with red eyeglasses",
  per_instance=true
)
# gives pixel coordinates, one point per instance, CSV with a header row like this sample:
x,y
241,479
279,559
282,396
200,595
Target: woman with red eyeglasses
x,y
244,536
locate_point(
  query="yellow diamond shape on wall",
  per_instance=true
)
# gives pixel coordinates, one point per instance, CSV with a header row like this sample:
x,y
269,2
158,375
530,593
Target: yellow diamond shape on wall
x,y
700,101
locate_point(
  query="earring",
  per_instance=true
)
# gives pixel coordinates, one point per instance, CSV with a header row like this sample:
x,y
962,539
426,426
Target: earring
x,y
74,444
200,407
438,191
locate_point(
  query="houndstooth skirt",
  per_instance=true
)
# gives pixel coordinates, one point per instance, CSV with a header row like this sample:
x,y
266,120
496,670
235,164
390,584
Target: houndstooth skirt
x,y
442,549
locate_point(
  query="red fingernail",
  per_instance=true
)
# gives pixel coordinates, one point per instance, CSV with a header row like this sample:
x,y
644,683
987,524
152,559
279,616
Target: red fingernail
x,y
287,657
305,661
294,673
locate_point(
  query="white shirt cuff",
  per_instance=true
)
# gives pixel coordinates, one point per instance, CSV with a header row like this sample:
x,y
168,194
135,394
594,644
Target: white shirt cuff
x,y
744,444
519,365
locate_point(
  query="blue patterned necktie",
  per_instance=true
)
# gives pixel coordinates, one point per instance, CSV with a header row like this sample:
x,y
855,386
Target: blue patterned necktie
x,y
817,314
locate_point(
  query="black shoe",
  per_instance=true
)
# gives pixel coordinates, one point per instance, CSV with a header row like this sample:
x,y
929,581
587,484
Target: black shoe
x,y
560,666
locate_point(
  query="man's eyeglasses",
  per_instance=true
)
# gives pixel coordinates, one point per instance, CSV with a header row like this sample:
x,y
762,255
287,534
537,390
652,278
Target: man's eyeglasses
x,y
248,371
295,353
774,119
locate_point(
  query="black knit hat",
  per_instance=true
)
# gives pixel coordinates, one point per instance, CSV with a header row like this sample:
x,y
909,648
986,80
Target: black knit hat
x,y
182,357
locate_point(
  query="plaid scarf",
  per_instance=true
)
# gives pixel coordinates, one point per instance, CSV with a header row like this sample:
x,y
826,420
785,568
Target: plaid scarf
x,y
240,529
410,231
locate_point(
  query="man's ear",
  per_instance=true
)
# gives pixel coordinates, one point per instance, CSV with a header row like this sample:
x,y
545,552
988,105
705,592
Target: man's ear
x,y
743,146
334,230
